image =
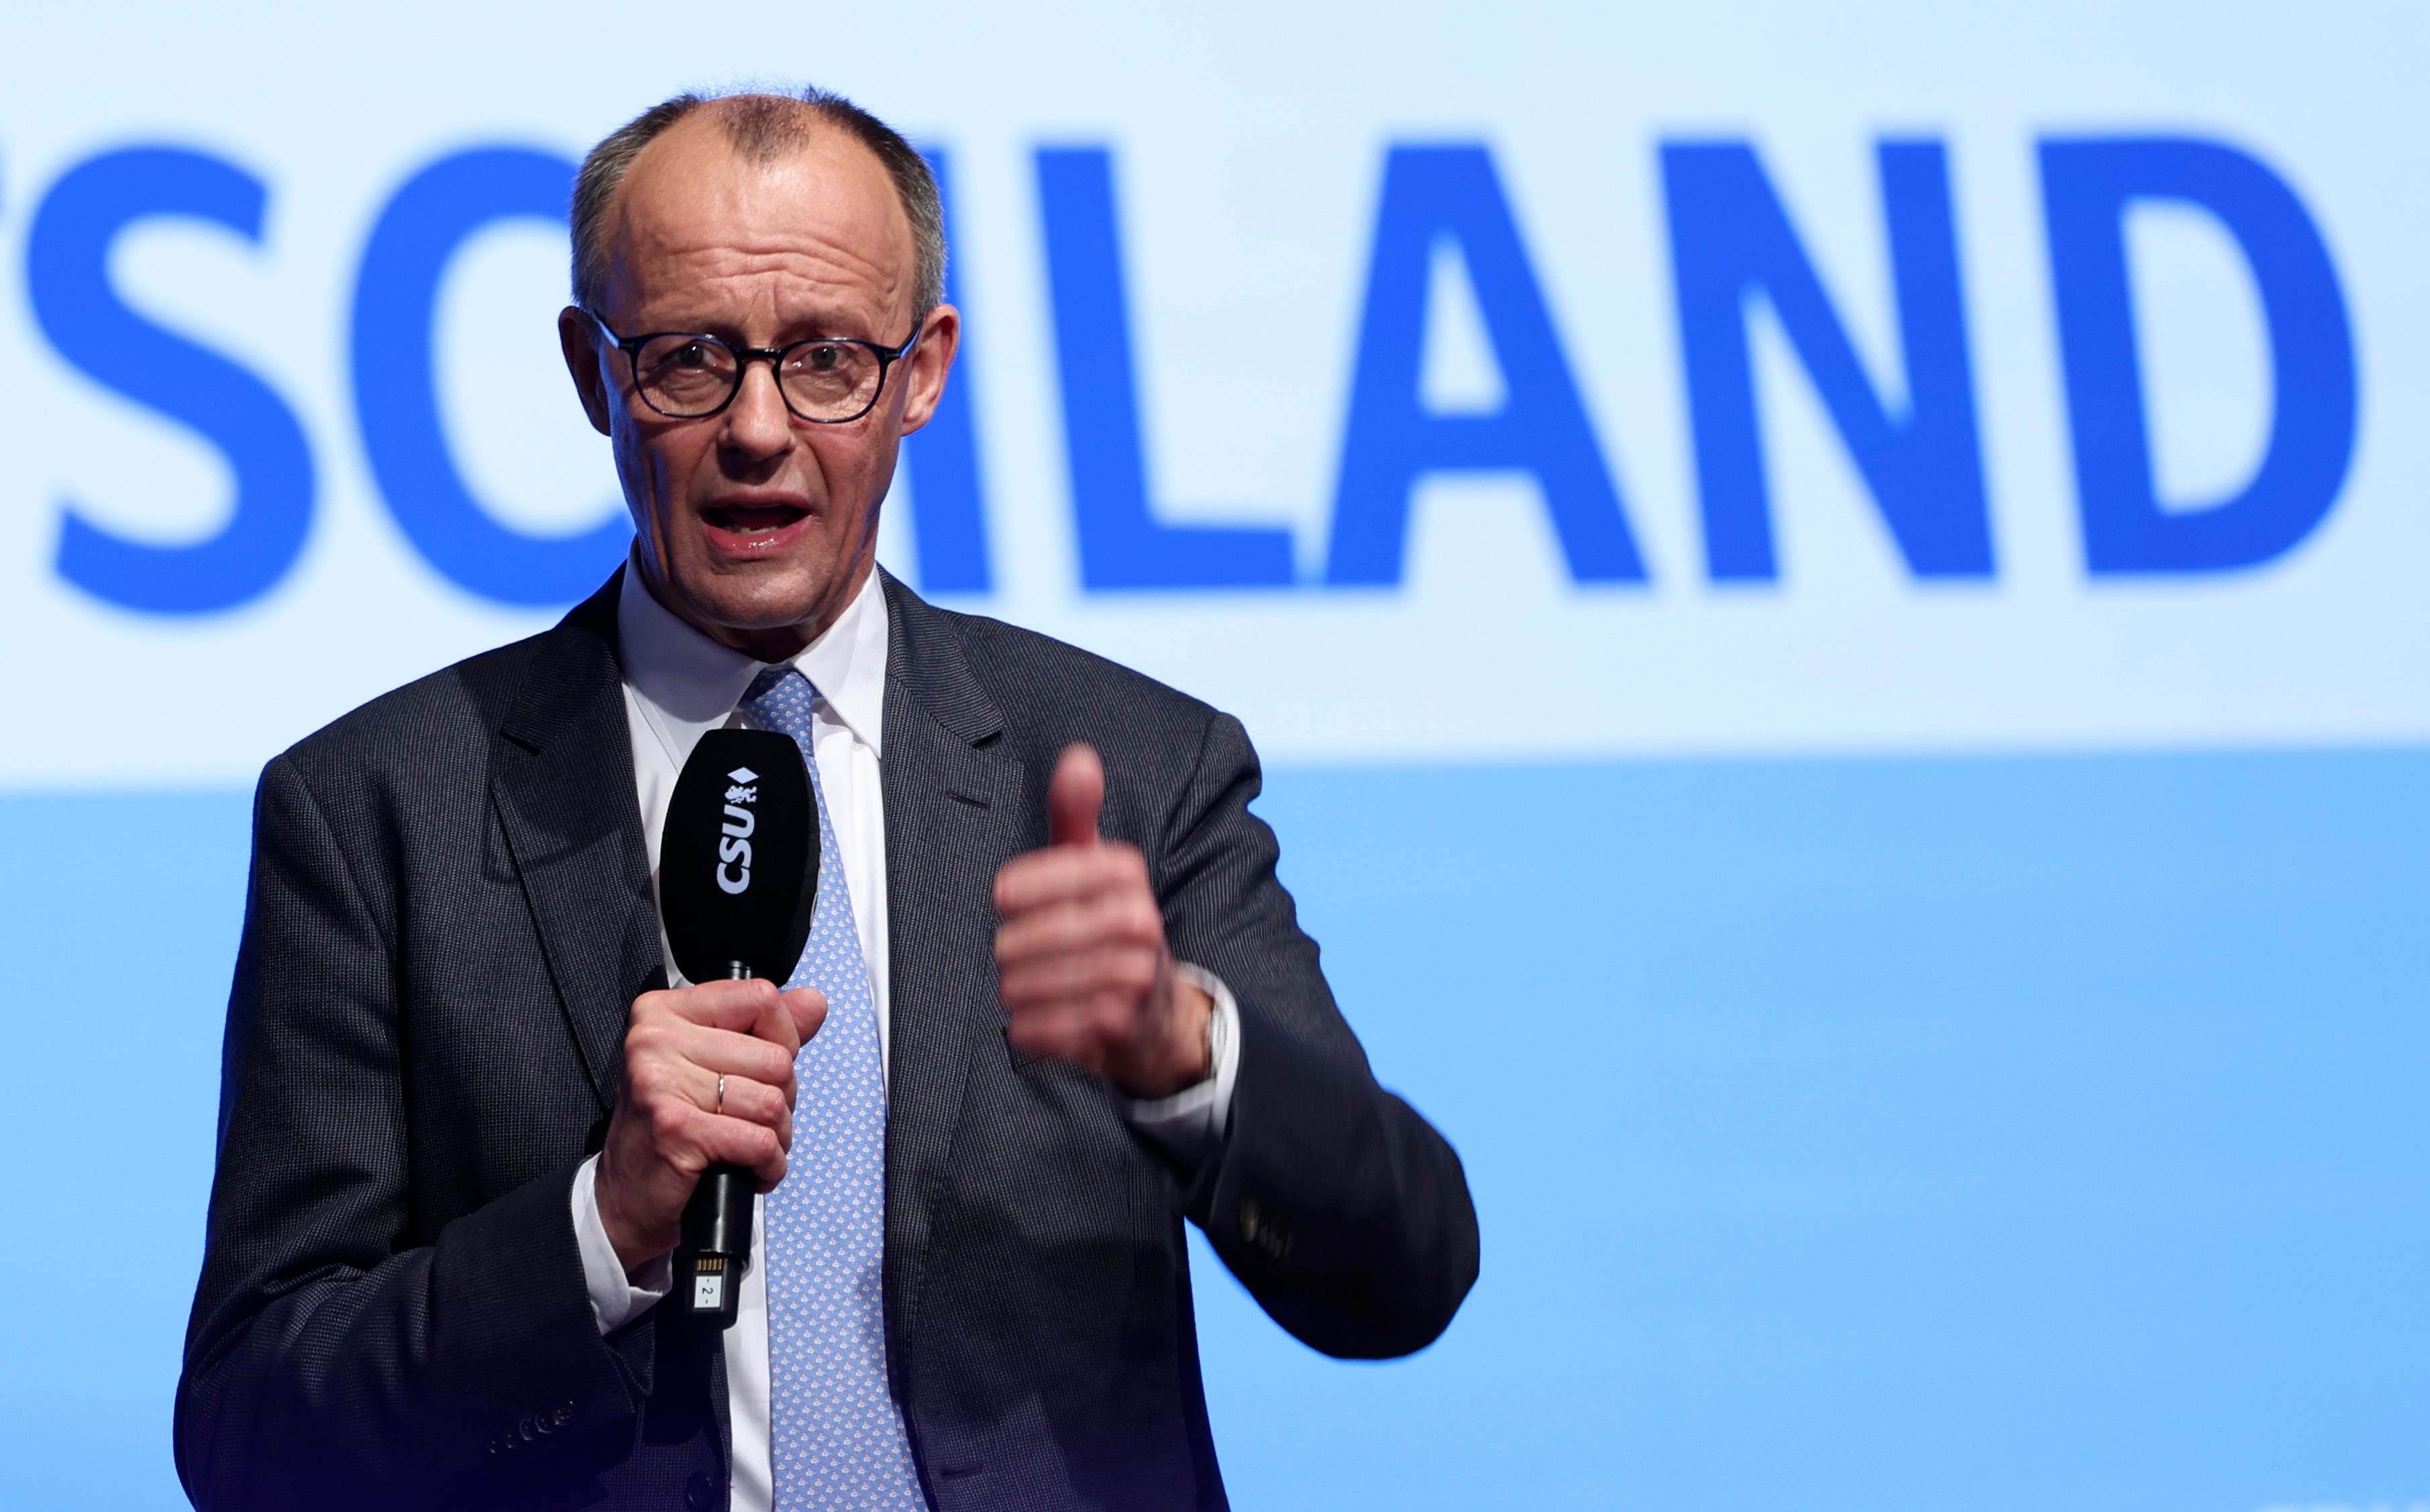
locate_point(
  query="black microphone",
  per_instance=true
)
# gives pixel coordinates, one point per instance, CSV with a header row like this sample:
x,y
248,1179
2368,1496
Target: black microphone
x,y
738,878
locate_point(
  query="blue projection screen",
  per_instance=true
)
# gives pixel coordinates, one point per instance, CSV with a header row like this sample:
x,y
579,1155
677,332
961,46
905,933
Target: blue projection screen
x,y
1834,599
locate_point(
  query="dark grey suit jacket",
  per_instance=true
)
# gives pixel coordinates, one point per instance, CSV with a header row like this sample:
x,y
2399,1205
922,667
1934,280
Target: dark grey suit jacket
x,y
449,918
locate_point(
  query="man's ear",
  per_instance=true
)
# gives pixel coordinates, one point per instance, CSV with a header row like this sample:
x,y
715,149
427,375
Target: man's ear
x,y
573,335
932,360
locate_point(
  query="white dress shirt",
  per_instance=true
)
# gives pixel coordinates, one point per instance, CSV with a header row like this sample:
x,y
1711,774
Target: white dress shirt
x,y
679,684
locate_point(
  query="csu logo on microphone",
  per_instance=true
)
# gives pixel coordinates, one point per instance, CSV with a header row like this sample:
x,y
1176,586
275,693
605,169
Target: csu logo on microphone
x,y
734,850
741,812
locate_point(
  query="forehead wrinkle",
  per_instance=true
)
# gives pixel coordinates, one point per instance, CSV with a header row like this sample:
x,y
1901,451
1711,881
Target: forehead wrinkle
x,y
695,214
818,262
763,306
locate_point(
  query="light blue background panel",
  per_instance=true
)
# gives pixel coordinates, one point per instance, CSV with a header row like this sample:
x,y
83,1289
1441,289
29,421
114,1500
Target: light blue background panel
x,y
1866,1134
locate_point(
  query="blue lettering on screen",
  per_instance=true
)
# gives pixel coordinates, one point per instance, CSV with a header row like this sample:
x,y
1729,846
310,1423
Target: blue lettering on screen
x,y
67,282
1732,242
2088,184
1452,193
1123,543
396,395
948,513
1922,462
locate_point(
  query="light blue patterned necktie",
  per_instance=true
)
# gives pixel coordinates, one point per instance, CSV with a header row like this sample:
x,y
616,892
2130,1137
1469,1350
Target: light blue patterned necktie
x,y
834,1437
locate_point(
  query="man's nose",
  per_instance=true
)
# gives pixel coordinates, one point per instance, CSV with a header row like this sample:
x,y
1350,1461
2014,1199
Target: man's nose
x,y
757,423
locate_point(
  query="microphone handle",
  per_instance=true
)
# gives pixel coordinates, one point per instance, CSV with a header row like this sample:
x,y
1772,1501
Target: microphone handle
x,y
716,1249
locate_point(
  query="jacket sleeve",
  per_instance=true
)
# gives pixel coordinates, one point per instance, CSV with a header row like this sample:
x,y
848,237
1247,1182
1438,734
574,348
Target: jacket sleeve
x,y
1341,1209
329,1360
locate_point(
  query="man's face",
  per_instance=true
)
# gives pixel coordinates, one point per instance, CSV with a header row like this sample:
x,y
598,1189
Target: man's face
x,y
756,525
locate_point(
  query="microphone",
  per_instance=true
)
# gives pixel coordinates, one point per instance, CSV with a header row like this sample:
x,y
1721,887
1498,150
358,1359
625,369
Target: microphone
x,y
738,878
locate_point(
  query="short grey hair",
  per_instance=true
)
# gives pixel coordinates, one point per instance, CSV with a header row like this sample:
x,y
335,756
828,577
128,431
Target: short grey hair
x,y
762,127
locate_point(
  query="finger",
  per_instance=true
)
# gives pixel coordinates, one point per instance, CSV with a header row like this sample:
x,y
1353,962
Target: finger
x,y
665,1085
689,1137
736,1005
715,1050
731,1141
775,1025
753,1102
808,1006
1073,797
1078,1030
1123,919
1068,871
1127,972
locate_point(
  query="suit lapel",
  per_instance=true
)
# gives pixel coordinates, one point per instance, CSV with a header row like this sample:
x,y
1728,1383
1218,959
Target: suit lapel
x,y
952,815
563,785
561,779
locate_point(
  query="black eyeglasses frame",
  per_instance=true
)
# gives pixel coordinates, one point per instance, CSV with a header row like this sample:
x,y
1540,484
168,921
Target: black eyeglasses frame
x,y
744,356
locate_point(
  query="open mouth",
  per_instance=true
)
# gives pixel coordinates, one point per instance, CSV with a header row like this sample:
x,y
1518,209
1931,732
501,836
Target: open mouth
x,y
747,521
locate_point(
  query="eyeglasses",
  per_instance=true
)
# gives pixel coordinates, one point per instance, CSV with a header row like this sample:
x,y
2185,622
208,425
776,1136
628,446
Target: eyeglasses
x,y
828,380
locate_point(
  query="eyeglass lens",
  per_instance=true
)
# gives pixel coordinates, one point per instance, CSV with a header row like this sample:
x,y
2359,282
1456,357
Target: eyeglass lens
x,y
683,376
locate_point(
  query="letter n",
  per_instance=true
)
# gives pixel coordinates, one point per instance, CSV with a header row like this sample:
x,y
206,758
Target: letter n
x,y
1730,240
1452,192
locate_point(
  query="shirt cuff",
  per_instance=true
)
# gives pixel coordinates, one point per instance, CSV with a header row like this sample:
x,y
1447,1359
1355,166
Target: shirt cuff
x,y
1191,1124
615,1300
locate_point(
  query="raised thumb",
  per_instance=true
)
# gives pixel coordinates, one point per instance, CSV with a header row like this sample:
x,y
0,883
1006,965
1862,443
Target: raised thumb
x,y
1073,797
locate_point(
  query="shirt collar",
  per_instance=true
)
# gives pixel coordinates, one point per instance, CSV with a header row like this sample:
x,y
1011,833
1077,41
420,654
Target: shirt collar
x,y
689,684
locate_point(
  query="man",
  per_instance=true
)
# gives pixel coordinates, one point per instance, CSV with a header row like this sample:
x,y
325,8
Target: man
x,y
1053,1003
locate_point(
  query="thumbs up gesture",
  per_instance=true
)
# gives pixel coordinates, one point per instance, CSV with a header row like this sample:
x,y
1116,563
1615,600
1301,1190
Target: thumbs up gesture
x,y
1080,951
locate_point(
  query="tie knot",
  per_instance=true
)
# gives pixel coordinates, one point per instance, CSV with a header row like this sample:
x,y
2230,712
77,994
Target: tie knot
x,y
779,699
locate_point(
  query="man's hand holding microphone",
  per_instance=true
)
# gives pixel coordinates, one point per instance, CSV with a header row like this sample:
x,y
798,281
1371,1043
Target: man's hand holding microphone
x,y
671,1122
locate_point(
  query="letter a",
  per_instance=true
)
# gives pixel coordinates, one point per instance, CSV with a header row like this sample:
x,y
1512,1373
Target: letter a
x,y
1391,440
